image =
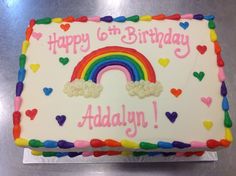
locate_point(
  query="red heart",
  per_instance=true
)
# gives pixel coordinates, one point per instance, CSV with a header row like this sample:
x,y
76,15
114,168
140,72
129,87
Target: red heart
x,y
220,61
201,49
211,143
97,143
176,92
173,17
31,113
82,19
65,27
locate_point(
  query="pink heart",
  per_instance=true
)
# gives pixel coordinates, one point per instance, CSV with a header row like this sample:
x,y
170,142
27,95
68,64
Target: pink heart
x,y
187,16
221,74
95,18
81,144
37,35
207,101
85,154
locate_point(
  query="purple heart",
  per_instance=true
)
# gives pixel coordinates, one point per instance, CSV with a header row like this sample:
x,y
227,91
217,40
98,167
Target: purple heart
x,y
172,116
61,119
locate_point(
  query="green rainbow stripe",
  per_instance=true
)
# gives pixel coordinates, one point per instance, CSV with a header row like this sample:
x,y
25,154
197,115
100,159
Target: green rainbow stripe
x,y
136,64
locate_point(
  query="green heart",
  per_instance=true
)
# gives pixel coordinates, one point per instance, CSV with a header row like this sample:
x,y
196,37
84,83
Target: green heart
x,y
227,120
134,18
64,60
211,24
199,75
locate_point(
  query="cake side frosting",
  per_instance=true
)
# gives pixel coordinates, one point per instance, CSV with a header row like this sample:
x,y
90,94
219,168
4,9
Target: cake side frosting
x,y
136,131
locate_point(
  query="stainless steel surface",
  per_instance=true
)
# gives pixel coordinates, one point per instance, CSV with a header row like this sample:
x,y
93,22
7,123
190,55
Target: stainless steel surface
x,y
14,17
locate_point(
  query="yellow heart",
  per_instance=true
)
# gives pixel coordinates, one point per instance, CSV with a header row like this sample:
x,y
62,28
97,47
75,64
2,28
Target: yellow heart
x,y
164,62
34,67
208,124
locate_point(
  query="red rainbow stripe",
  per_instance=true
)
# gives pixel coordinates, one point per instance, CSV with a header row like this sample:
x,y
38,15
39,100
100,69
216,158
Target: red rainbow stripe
x,y
78,70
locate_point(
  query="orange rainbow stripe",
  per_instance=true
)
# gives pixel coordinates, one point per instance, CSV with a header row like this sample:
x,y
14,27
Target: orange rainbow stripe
x,y
135,63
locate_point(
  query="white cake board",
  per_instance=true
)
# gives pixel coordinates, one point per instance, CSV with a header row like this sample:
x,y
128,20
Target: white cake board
x,y
30,159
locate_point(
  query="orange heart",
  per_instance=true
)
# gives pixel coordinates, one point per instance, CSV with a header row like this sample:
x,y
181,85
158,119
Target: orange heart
x,y
65,27
176,92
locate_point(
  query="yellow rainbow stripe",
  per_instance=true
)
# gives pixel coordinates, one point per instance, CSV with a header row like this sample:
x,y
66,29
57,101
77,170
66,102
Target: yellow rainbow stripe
x,y
114,53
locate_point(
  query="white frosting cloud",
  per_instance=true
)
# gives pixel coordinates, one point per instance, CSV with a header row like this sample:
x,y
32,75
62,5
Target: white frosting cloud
x,y
80,87
144,88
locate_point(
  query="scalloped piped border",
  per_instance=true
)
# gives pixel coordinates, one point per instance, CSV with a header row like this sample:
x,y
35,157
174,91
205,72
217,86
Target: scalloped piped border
x,y
114,153
96,143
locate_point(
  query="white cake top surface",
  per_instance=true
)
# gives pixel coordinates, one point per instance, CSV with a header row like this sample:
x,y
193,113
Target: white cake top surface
x,y
174,59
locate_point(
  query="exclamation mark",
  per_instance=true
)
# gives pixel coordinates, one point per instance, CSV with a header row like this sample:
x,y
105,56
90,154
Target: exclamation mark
x,y
155,113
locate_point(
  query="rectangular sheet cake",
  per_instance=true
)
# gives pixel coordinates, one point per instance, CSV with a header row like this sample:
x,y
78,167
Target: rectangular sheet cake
x,y
125,85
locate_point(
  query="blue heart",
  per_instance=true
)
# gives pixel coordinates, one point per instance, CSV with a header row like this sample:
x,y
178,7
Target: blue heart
x,y
61,119
172,116
184,25
47,91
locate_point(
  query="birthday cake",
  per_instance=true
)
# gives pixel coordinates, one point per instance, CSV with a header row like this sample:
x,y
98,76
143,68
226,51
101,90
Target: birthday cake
x,y
138,85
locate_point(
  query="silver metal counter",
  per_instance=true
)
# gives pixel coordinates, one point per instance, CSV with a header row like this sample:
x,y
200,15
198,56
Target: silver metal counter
x,y
14,17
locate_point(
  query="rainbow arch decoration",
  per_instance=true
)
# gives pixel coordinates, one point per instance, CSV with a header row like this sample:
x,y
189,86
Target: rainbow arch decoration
x,y
140,75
